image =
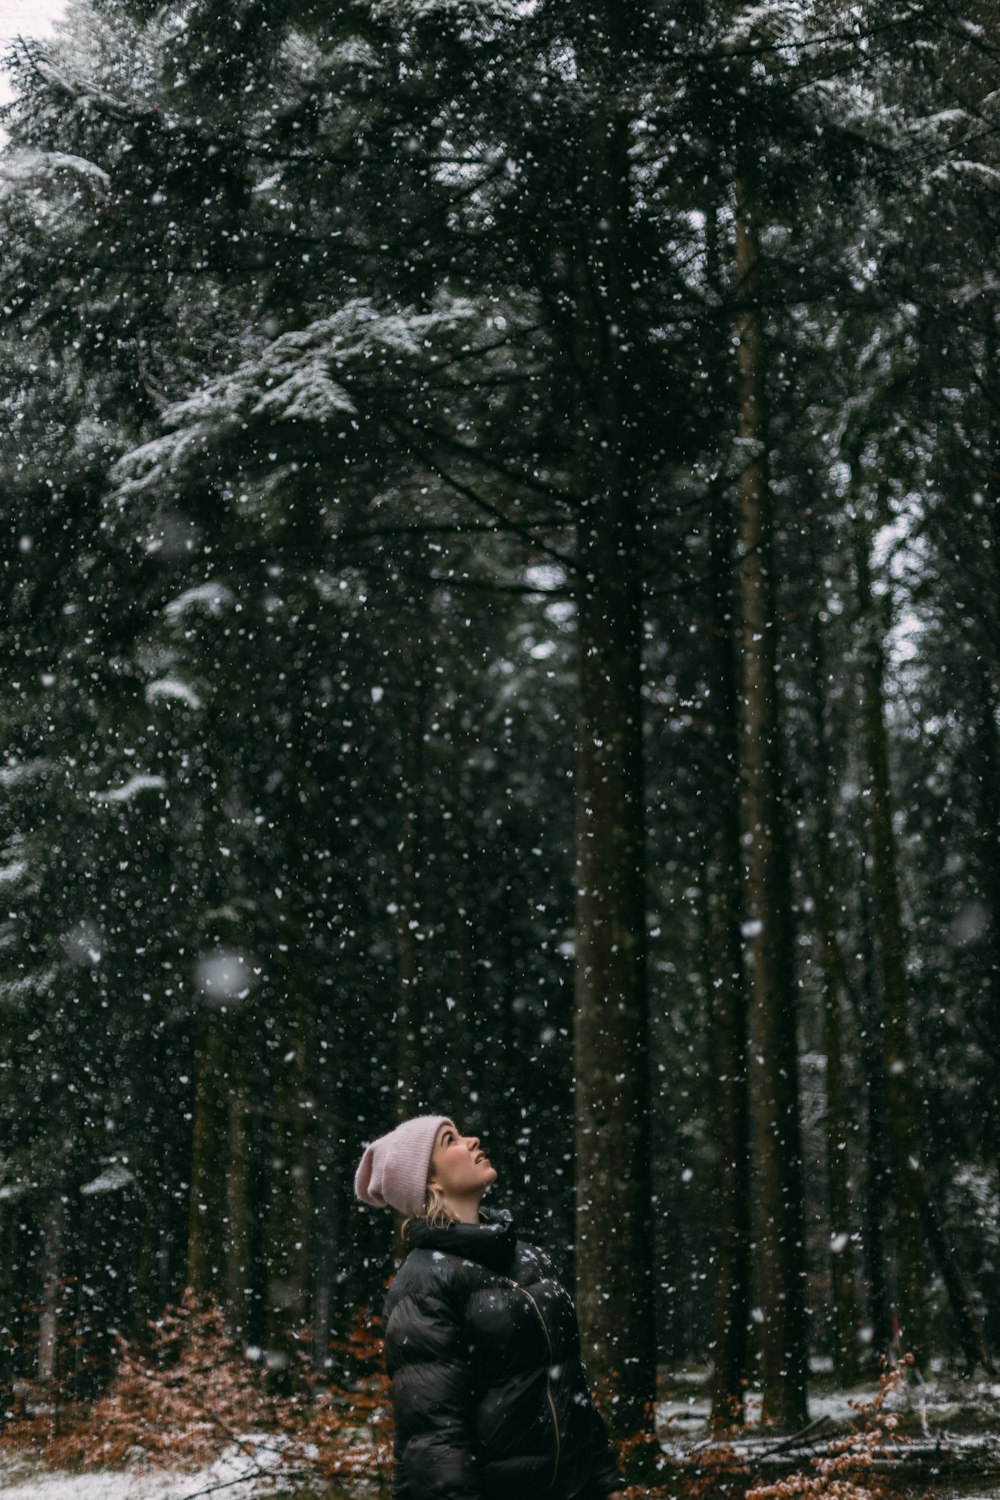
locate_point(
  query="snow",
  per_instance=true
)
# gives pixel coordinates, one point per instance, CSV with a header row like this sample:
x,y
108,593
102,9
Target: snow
x,y
170,689
290,379
24,167
211,597
237,1476
110,1180
16,772
141,782
354,51
965,168
247,1475
155,461
224,976
306,393
782,19
34,984
686,1415
458,10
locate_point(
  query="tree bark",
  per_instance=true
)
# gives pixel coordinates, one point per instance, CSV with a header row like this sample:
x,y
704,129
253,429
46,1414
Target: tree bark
x,y
901,1121
774,1046
53,1230
409,1051
970,1331
838,1154
462,1067
237,1239
611,1039
729,1004
614,1243
206,1257
987,763
289,1218
876,1177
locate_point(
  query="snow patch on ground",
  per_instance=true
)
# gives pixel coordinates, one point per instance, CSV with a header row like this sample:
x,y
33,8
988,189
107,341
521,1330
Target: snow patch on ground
x,y
687,1412
250,1475
237,1477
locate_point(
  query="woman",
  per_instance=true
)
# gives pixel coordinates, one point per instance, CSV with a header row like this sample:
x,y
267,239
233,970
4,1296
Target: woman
x,y
481,1341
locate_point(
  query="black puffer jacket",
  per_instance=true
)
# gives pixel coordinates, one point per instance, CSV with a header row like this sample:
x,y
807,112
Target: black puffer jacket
x,y
488,1389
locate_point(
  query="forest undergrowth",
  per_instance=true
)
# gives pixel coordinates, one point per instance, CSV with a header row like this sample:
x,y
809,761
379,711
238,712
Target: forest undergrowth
x,y
754,1464
193,1395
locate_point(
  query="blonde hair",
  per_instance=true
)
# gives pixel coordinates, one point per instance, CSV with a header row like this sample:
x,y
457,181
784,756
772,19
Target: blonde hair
x,y
436,1212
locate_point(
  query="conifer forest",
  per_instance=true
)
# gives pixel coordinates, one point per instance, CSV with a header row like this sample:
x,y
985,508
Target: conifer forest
x,y
501,617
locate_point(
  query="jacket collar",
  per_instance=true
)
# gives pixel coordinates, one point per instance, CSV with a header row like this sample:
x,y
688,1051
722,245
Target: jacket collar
x,y
491,1242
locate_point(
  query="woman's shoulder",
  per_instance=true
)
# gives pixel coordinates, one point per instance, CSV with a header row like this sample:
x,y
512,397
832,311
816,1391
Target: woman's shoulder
x,y
424,1263
426,1272
534,1263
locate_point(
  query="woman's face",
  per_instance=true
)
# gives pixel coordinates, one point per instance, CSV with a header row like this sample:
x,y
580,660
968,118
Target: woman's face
x,y
459,1168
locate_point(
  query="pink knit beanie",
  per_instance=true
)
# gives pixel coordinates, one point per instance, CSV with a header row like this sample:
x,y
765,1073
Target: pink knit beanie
x,y
394,1169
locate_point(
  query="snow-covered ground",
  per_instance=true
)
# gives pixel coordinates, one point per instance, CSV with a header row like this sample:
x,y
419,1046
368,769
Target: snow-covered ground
x,y
684,1416
23,1479
688,1413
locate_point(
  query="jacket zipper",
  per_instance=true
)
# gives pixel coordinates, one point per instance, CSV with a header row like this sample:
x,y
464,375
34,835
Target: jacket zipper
x,y
548,1379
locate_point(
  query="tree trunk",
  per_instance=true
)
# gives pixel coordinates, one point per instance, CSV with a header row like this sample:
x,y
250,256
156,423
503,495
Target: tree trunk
x,y
901,1122
774,1076
237,1240
987,762
12,1267
614,1273
289,1203
461,1068
876,1181
838,1156
970,1331
614,1249
409,1051
206,1224
727,988
840,1197
53,1227
144,1303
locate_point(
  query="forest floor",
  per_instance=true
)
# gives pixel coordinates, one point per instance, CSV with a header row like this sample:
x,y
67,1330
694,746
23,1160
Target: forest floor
x,y
24,1478
940,1437
949,1445
945,1405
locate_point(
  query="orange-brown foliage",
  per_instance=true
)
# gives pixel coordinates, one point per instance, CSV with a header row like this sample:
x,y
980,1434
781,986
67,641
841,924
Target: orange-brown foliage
x,y
851,1467
195,1396
344,1430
